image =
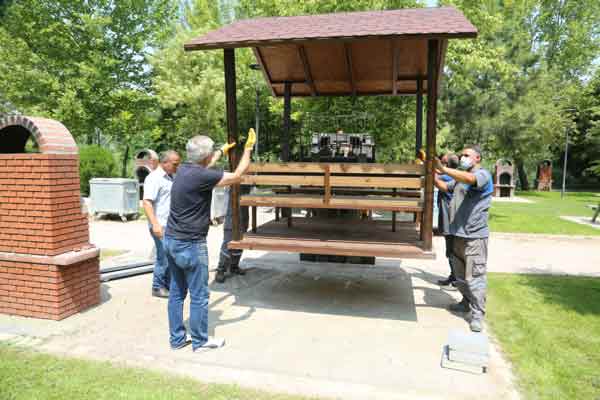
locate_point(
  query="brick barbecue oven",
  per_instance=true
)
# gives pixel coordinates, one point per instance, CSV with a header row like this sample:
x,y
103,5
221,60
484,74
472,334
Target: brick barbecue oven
x,y
48,269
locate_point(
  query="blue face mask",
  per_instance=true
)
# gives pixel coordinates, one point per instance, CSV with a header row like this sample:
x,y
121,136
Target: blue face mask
x,y
466,163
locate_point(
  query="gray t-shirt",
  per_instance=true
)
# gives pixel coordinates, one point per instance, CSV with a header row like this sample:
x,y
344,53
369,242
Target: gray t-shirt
x,y
470,205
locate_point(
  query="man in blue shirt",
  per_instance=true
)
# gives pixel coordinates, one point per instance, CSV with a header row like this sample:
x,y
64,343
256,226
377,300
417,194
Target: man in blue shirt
x,y
185,237
444,198
472,196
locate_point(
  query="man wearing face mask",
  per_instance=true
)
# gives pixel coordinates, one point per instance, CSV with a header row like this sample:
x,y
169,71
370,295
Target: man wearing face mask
x,y
472,196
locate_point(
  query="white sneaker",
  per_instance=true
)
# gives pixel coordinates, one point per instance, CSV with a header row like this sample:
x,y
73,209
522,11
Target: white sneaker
x,y
212,343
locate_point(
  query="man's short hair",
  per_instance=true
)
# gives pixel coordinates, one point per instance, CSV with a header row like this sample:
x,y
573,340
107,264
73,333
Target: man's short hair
x,y
166,155
476,148
452,160
198,148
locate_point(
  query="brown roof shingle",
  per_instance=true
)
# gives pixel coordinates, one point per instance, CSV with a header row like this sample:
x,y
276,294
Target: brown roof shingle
x,y
442,22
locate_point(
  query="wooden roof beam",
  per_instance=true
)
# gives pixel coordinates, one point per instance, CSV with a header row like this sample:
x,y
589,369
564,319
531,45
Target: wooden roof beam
x,y
309,79
348,53
396,62
263,68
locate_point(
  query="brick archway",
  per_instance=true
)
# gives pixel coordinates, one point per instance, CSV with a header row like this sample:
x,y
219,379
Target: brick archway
x,y
51,136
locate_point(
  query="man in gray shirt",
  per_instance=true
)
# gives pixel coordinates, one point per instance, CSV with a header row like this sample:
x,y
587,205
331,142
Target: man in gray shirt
x,y
472,195
157,200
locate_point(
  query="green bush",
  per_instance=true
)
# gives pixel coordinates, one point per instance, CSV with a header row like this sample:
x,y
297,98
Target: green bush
x,y
95,162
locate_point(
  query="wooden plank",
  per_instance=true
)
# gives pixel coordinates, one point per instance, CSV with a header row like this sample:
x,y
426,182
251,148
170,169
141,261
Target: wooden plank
x,y
348,53
232,136
345,202
263,68
413,193
327,196
337,168
254,219
307,72
356,249
336,237
432,90
380,182
287,110
306,180
419,116
395,61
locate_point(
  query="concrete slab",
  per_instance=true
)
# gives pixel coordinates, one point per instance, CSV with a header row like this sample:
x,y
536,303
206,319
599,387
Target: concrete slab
x,y
333,330
340,331
582,220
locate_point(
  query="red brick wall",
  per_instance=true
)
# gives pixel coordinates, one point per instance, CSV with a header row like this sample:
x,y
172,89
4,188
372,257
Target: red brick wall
x,y
40,206
48,291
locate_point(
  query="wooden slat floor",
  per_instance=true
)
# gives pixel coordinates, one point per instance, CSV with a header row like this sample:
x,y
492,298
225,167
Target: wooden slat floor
x,y
337,237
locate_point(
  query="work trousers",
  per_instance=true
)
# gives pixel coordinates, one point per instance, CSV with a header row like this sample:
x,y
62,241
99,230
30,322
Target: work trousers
x,y
469,261
229,257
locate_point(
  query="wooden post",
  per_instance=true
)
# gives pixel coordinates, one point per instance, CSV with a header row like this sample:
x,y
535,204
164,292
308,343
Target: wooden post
x,y
394,215
254,220
285,136
327,184
419,130
287,111
432,90
232,136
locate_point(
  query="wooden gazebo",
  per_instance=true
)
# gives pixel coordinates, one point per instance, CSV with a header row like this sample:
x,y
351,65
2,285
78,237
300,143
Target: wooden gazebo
x,y
391,53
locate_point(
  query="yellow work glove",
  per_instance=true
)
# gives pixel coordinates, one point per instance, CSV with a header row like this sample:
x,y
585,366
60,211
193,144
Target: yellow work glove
x,y
251,141
226,147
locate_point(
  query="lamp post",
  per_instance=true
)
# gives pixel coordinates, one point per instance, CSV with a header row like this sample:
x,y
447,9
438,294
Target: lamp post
x,y
256,67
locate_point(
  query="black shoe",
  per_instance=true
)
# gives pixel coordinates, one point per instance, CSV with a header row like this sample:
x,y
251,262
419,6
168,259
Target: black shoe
x,y
160,292
446,282
235,270
461,307
220,278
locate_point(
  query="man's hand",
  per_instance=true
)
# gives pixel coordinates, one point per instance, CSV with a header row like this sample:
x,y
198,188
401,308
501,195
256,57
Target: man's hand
x,y
438,166
157,230
251,141
226,147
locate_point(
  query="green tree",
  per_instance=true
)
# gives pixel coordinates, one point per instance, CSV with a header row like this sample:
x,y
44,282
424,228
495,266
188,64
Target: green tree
x,y
76,61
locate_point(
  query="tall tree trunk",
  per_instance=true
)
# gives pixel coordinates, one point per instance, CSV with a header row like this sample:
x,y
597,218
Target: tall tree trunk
x,y
125,159
522,175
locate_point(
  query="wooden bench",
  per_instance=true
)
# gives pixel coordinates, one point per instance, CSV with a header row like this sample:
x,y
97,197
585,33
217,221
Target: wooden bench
x,y
385,187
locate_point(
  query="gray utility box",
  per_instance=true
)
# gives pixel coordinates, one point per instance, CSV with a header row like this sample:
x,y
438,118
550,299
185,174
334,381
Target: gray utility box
x,y
118,196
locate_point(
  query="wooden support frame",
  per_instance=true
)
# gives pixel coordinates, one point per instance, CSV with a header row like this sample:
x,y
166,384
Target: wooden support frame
x,y
287,113
232,136
395,62
307,73
348,54
432,95
419,116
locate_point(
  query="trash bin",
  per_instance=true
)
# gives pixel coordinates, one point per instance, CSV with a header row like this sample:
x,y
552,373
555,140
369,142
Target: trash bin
x,y
218,206
118,196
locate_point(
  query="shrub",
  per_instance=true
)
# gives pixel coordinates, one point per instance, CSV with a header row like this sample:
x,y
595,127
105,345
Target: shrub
x,y
95,162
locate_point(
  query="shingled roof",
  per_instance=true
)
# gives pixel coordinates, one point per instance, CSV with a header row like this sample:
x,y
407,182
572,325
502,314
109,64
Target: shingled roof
x,y
438,22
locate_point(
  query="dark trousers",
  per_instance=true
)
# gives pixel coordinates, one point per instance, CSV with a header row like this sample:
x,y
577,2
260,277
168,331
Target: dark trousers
x,y
449,244
231,257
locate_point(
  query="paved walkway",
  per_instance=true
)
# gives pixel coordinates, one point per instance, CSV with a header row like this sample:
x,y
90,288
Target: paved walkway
x,y
339,331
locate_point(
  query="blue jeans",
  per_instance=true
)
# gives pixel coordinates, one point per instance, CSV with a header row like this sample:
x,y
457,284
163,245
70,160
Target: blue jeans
x,y
188,261
161,278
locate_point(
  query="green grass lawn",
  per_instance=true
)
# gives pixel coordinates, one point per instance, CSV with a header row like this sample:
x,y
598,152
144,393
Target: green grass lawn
x,y
543,216
549,328
25,375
